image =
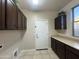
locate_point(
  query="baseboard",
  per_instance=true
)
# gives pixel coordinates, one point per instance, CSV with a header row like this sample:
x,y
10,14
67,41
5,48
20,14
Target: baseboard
x,y
42,49
28,50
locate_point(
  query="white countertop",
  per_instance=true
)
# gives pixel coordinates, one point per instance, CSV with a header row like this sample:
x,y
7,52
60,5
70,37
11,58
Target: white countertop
x,y
71,42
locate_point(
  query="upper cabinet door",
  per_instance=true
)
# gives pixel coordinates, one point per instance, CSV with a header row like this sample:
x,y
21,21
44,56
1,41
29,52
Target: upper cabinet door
x,y
24,22
19,20
60,22
11,16
2,14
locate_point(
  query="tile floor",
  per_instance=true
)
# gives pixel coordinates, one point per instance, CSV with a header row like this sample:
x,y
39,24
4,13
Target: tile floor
x,y
43,54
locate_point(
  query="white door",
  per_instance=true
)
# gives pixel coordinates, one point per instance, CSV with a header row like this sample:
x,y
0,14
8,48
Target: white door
x,y
41,34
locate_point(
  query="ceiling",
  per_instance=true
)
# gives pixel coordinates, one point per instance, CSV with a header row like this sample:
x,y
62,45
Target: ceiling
x,y
43,5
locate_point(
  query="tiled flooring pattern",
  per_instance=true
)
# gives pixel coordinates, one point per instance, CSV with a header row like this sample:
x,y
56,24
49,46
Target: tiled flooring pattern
x,y
43,54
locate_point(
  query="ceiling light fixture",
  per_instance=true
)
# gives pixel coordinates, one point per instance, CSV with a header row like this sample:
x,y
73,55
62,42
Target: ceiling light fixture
x,y
35,2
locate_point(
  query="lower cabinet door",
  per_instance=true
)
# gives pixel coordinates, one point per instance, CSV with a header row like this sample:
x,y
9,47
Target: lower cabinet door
x,y
64,51
53,44
60,50
70,54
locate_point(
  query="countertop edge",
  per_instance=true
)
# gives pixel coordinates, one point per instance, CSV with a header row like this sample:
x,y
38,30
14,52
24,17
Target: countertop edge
x,y
70,42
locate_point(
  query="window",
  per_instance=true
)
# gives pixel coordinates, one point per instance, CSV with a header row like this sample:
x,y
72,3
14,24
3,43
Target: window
x,y
76,21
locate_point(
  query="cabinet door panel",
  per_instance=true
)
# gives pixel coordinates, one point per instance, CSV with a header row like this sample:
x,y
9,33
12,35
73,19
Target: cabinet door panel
x,y
2,14
24,22
20,20
64,22
60,49
53,44
72,53
58,23
11,16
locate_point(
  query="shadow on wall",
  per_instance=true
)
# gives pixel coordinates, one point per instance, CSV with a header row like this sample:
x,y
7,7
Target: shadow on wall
x,y
61,31
10,40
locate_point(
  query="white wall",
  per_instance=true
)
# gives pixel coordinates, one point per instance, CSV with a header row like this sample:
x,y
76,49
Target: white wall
x,y
68,10
10,41
29,40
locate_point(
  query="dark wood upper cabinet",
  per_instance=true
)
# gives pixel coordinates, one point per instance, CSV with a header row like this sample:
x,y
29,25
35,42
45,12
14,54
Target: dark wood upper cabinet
x,y
21,21
2,14
24,22
60,22
11,16
57,23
